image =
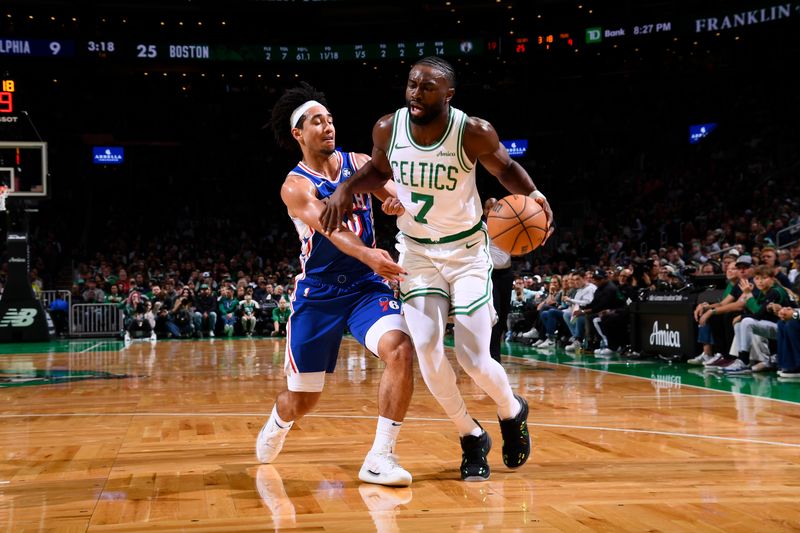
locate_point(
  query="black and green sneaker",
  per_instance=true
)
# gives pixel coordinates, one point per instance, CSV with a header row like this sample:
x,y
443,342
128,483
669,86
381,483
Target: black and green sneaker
x,y
474,466
516,440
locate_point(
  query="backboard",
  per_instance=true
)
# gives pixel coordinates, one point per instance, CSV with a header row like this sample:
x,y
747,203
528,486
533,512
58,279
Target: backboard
x,y
23,168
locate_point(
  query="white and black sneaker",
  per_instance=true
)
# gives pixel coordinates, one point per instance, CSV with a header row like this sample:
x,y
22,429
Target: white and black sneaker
x,y
604,353
381,468
474,466
546,343
701,359
575,346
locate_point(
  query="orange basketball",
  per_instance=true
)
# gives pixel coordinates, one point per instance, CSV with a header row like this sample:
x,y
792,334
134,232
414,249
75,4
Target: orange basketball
x,y
517,224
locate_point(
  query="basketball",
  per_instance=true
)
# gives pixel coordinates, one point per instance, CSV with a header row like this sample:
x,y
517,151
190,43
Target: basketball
x,y
517,224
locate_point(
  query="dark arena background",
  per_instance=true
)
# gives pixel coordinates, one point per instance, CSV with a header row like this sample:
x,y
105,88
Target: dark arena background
x,y
135,157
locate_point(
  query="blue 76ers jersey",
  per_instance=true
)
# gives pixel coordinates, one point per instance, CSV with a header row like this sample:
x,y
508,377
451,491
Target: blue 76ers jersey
x,y
318,256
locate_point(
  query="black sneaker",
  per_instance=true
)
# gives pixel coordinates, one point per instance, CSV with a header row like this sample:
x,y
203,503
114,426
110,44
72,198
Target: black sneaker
x,y
516,440
474,466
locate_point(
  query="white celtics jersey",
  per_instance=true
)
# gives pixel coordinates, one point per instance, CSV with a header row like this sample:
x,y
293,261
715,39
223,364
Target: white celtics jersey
x,y
435,183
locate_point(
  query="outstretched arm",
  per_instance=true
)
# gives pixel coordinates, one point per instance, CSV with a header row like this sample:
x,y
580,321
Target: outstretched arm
x,y
482,143
369,178
386,194
300,197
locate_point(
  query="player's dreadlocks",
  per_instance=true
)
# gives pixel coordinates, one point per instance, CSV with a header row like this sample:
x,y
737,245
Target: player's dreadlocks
x,y
282,112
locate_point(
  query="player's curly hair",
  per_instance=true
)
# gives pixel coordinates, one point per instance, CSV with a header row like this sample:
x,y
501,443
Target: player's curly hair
x,y
282,112
441,65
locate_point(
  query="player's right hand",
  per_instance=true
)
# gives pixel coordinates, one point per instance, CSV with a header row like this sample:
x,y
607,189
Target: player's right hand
x,y
338,206
382,263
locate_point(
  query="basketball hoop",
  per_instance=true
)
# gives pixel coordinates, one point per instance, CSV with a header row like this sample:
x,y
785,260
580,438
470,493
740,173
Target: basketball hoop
x,y
3,196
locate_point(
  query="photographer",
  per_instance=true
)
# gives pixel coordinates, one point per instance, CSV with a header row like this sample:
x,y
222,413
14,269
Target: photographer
x,y
180,323
521,304
669,279
641,269
134,321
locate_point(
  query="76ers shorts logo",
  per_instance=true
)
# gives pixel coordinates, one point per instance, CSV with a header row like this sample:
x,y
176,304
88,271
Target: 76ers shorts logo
x,y
386,303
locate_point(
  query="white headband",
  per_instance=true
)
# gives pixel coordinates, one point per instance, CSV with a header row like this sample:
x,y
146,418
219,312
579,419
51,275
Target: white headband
x,y
300,111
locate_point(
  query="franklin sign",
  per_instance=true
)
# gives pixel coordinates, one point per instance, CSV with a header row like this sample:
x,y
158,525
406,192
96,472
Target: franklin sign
x,y
745,18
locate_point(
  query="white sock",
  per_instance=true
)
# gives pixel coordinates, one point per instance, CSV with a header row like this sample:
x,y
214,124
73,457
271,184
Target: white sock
x,y
386,435
510,410
277,420
477,432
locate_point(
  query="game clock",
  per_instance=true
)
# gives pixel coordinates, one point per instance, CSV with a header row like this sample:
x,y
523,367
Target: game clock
x,y
100,47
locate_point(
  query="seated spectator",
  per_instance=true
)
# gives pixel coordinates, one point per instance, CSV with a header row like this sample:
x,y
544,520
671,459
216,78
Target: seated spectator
x,y
123,281
551,313
248,309
76,293
280,318
205,311
720,317
92,293
706,269
769,257
113,296
759,318
705,311
574,319
606,298
227,305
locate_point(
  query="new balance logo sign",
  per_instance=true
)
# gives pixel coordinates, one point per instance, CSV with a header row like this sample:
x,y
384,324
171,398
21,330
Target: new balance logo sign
x,y
18,318
665,337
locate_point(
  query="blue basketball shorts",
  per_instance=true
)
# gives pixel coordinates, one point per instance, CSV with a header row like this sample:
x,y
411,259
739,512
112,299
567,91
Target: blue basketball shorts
x,y
322,311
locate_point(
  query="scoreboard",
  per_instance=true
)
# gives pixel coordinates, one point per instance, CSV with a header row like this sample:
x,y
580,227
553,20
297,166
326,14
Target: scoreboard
x,y
147,51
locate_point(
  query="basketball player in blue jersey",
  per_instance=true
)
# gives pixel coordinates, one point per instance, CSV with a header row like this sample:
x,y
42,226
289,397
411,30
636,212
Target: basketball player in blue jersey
x,y
429,149
342,285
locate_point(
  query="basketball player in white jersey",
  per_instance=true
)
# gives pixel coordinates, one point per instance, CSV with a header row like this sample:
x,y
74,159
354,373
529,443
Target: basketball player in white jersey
x,y
430,150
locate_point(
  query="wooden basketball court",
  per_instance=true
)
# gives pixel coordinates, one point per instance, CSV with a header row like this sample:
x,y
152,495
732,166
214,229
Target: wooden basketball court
x,y
160,438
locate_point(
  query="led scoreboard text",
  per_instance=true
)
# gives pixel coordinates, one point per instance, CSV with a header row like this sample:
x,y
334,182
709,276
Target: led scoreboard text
x,y
261,53
7,96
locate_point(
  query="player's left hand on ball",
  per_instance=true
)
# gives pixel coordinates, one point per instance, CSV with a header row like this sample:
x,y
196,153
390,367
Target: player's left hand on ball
x,y
542,201
393,206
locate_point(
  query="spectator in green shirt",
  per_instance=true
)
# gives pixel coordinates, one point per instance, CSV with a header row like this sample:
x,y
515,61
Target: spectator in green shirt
x,y
280,316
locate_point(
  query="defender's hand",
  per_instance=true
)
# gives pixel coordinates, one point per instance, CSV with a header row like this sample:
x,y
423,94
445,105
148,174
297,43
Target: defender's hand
x,y
382,263
338,206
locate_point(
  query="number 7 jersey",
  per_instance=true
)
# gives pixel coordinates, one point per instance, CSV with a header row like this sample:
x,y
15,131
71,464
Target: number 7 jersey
x,y
318,255
436,183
